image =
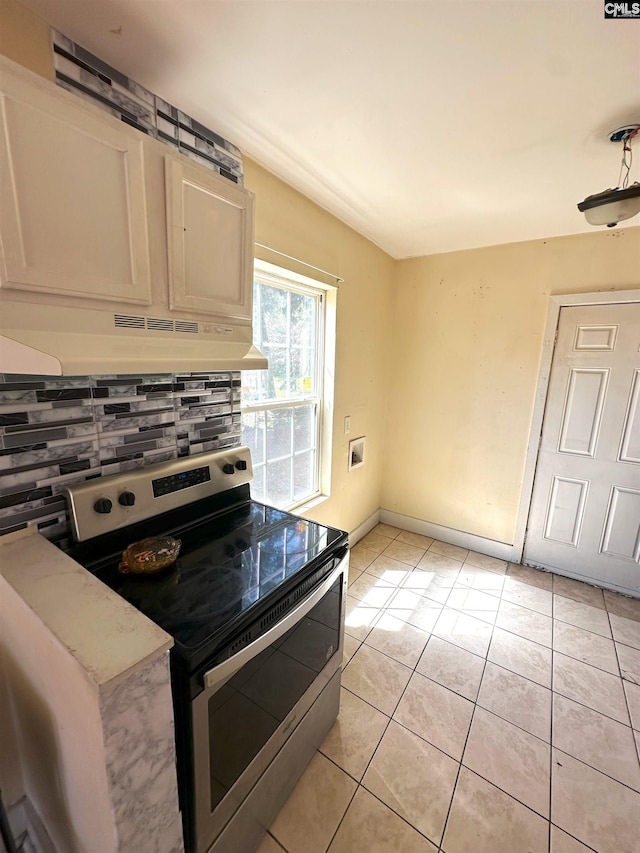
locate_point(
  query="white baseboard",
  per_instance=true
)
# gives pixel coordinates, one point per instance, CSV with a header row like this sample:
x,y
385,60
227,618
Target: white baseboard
x,y
364,528
501,550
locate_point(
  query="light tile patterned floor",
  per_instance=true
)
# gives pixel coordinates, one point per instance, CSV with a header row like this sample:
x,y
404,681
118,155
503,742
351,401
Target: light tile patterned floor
x,y
486,708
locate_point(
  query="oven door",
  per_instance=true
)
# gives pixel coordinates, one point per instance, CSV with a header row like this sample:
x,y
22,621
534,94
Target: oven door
x,y
252,702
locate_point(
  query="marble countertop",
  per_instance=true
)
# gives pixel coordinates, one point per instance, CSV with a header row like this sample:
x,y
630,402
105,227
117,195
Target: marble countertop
x,y
107,636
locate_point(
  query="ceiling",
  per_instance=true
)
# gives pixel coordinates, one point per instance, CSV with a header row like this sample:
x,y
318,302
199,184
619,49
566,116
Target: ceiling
x,y
426,126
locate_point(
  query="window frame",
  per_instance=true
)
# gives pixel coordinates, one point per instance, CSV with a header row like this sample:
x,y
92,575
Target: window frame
x,y
324,360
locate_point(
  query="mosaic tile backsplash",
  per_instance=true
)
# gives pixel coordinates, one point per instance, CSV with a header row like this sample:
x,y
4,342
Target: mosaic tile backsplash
x,y
90,78
55,431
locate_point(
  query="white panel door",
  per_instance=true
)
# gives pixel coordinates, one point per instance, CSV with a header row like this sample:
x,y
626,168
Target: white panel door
x,y
585,509
72,198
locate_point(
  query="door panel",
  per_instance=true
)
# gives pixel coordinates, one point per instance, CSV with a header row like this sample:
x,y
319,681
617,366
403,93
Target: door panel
x,y
585,510
582,411
565,510
622,524
630,450
596,338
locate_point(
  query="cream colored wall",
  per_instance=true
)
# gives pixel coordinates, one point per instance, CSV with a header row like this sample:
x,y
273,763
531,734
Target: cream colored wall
x,y
25,38
468,330
288,222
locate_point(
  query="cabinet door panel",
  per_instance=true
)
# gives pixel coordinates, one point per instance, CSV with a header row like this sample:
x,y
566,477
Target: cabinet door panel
x,y
72,212
210,233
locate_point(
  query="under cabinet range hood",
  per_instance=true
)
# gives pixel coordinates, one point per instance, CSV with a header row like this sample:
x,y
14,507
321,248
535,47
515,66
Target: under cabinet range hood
x,y
51,340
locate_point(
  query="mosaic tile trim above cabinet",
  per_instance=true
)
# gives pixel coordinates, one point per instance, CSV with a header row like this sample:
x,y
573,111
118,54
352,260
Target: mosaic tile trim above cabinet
x,y
87,76
55,431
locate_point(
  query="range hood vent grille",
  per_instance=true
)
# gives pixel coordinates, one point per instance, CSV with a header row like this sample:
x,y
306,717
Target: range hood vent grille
x,y
154,324
186,326
127,321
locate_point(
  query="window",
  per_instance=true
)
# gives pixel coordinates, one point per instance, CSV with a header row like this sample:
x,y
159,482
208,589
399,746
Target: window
x,y
282,407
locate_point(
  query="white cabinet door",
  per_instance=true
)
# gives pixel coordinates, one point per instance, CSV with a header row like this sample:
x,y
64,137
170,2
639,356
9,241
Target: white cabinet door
x,y
72,197
210,243
585,509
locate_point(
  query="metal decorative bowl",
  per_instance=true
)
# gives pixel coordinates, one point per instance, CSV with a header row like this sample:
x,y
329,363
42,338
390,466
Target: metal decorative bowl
x,y
150,555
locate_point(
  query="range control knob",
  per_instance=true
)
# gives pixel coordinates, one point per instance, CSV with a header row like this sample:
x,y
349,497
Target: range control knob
x,y
126,499
241,465
103,506
228,468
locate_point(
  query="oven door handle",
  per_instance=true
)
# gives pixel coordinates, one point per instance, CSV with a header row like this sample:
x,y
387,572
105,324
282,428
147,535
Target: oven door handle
x,y
223,671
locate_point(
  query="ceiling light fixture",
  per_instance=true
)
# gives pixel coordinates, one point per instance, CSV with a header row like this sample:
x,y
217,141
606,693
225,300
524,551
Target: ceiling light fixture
x,y
612,206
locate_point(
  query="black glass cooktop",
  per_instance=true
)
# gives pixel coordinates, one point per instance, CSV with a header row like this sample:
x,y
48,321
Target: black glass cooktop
x,y
231,567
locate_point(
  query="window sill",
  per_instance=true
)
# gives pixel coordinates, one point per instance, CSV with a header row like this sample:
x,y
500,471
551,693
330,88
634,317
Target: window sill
x,y
308,504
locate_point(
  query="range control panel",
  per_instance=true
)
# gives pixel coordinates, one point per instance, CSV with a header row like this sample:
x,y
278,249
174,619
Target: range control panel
x,y
184,480
107,503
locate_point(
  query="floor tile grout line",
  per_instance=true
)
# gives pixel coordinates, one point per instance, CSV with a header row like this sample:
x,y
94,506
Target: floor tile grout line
x,y
475,705
391,809
622,680
626,645
337,829
551,747
586,662
521,637
335,763
278,842
513,671
579,601
588,707
364,773
516,726
558,578
391,717
506,793
628,618
466,740
587,846
564,622
597,769
506,719
524,606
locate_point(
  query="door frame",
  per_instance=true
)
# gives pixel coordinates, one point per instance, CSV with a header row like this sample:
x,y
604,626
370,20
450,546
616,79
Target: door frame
x,y
556,303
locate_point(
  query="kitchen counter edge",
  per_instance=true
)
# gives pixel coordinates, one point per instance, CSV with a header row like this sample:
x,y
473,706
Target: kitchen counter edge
x,y
108,637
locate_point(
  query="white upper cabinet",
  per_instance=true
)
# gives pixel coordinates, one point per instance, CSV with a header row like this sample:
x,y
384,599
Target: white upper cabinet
x,y
210,243
72,197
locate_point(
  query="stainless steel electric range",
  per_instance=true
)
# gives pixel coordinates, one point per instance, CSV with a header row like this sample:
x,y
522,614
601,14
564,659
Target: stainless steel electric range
x,y
255,605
